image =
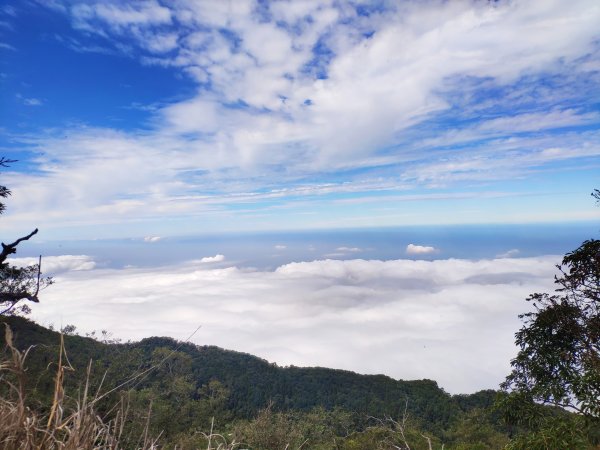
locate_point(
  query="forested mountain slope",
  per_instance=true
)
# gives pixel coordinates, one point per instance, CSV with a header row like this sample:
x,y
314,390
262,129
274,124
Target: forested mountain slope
x,y
179,390
252,383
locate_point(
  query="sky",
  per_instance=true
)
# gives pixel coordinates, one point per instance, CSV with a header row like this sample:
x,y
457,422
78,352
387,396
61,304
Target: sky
x,y
146,118
197,162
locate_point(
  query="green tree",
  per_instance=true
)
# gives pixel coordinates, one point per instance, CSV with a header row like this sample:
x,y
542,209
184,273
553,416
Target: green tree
x,y
17,283
476,430
559,358
558,363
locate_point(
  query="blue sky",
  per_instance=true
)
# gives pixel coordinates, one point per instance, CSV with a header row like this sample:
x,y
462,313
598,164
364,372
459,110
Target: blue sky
x,y
161,118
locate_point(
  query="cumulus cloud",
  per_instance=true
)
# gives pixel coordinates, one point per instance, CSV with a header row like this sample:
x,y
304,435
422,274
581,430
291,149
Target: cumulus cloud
x,y
211,259
407,319
412,249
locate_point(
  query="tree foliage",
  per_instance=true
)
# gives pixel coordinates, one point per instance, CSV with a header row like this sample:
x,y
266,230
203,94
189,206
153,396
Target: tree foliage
x,y
559,358
17,283
4,191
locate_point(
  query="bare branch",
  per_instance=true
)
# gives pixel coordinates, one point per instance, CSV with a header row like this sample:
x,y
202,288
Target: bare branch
x,y
37,288
428,439
4,162
10,307
9,249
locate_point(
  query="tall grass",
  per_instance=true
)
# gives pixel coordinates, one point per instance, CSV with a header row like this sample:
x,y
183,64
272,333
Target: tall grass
x,y
65,425
71,423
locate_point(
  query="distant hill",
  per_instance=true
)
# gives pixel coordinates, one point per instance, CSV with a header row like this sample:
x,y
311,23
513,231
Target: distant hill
x,y
252,383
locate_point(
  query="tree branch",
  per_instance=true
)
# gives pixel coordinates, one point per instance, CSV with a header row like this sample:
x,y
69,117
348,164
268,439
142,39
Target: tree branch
x,y
9,249
4,162
14,297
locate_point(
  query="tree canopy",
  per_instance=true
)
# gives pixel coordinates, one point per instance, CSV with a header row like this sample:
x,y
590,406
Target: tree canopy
x,y
559,358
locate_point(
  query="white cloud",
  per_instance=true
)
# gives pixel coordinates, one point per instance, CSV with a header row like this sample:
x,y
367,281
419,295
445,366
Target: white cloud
x,y
211,259
145,12
412,53
32,102
349,249
413,249
342,252
509,254
280,247
56,265
449,320
152,239
314,87
161,43
511,124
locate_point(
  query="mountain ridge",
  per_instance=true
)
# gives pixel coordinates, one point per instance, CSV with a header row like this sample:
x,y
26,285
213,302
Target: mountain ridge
x,y
252,383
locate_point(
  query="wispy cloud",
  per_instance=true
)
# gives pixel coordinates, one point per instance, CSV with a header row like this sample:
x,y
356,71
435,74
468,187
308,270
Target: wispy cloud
x,y
295,101
349,249
77,46
29,101
32,102
343,252
119,17
266,66
509,254
9,10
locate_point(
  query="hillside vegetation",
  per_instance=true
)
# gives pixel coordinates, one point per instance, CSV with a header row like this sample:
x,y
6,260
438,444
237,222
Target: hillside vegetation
x,y
182,393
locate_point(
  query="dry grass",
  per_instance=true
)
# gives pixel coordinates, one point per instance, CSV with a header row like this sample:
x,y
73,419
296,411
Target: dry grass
x,y
65,428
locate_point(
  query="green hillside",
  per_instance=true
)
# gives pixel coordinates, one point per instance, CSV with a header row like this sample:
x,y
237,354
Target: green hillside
x,y
252,381
188,389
